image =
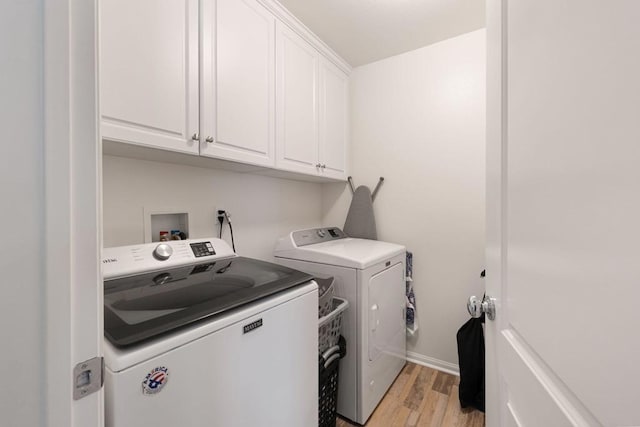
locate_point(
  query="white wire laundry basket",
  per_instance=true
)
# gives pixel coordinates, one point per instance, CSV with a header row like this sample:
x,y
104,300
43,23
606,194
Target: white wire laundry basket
x,y
325,296
329,326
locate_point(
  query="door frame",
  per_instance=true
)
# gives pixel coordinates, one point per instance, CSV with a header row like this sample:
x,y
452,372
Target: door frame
x,y
72,217
495,187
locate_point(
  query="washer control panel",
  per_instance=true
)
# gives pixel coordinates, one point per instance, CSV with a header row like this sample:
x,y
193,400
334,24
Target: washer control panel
x,y
317,235
201,249
128,260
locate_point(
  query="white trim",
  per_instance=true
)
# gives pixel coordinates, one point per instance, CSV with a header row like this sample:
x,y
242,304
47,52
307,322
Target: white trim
x,y
566,400
431,362
496,413
72,235
57,219
282,14
512,418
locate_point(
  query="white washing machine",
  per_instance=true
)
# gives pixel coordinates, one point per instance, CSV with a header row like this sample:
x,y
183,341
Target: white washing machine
x,y
371,275
198,336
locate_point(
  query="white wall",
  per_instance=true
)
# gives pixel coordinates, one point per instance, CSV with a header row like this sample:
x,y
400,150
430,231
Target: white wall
x,y
418,119
21,187
262,208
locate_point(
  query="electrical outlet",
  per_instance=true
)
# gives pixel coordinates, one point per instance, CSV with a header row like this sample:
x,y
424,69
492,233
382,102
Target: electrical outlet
x,y
217,214
226,214
216,218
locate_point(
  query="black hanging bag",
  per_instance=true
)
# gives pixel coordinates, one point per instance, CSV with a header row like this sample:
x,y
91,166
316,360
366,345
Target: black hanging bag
x,y
471,359
470,339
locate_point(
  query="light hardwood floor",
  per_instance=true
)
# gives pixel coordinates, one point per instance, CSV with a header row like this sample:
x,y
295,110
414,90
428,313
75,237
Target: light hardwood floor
x,y
422,396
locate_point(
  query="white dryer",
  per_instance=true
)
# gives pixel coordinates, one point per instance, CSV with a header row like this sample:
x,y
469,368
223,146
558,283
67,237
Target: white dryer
x,y
371,275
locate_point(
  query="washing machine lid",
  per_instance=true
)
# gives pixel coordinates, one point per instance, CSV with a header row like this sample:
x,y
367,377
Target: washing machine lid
x,y
340,251
143,306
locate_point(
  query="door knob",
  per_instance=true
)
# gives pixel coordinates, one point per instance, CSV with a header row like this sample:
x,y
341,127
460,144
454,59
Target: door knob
x,y
209,139
475,307
195,137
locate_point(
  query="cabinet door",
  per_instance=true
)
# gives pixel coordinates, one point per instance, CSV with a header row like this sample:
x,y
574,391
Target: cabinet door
x,y
149,72
238,83
296,105
334,93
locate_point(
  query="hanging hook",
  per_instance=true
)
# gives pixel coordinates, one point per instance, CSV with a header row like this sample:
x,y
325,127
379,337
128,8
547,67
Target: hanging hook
x,y
353,188
375,191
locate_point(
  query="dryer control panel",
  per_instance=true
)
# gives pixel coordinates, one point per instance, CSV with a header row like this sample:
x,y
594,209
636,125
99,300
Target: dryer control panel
x,y
317,235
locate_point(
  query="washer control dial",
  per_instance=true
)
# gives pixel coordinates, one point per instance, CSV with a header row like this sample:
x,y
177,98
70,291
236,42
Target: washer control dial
x,y
162,252
321,233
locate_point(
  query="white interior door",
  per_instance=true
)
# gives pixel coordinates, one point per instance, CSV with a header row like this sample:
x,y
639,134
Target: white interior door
x,y
564,208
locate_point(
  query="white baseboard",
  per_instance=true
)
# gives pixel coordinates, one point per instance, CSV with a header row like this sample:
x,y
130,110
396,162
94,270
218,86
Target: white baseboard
x,y
430,362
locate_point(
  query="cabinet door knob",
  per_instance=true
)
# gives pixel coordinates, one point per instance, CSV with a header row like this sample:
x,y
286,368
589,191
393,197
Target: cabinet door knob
x,y
209,139
195,137
318,165
323,166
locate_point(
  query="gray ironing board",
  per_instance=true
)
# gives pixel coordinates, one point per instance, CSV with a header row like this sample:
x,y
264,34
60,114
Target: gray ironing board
x,y
360,221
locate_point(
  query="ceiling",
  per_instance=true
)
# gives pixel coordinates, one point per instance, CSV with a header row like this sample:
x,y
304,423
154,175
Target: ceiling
x,y
364,31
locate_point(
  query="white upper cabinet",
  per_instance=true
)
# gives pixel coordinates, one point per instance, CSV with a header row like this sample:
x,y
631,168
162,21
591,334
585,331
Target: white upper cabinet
x,y
149,72
334,119
238,81
311,109
297,103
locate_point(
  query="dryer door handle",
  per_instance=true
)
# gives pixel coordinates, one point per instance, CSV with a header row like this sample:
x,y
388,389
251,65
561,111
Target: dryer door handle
x,y
373,317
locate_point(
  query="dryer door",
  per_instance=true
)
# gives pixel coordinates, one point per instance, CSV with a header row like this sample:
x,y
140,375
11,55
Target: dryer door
x,y
387,312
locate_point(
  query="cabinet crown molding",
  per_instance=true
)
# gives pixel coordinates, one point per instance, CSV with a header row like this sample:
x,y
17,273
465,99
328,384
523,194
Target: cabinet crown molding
x,y
303,31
